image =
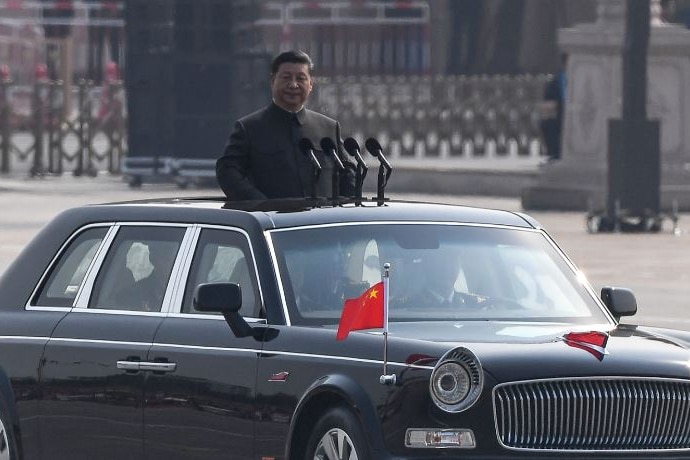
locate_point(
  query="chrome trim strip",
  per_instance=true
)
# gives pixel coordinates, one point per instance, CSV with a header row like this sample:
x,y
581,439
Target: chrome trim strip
x,y
276,270
177,268
212,317
54,309
84,292
180,276
294,354
24,338
203,347
231,349
103,311
401,222
101,342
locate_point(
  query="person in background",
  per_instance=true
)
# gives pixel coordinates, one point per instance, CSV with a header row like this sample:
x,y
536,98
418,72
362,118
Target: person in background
x,y
262,158
551,110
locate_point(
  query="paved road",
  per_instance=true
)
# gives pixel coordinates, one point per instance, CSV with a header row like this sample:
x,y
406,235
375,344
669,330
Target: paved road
x,y
655,266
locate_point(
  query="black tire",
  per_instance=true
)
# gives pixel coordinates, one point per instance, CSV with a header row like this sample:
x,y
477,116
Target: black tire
x,y
8,446
337,435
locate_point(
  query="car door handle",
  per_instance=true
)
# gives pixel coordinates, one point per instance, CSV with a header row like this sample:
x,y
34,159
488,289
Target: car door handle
x,y
146,366
157,367
129,365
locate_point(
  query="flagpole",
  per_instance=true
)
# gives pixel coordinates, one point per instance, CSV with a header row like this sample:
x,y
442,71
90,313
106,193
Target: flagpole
x,y
386,379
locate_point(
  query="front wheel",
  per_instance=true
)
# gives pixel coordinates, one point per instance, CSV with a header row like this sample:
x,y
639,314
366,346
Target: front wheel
x,y
337,436
8,450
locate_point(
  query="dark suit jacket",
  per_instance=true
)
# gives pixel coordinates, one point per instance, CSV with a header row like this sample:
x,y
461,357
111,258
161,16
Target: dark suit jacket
x,y
262,158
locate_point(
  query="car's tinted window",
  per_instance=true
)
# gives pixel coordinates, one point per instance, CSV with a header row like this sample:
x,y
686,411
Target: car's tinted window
x,y
223,256
136,270
438,272
61,287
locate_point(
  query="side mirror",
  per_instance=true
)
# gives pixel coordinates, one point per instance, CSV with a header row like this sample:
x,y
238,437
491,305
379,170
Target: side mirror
x,y
218,297
619,301
225,298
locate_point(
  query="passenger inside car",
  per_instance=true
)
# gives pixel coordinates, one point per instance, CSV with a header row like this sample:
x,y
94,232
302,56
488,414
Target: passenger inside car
x,y
147,293
136,276
437,274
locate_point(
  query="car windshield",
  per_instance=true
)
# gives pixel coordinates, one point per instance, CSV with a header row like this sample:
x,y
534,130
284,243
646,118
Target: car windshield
x,y
438,272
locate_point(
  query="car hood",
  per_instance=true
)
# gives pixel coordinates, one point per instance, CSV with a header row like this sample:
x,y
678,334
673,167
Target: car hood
x,y
518,350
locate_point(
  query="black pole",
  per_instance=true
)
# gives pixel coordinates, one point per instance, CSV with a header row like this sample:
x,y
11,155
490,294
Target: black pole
x,y
635,60
634,163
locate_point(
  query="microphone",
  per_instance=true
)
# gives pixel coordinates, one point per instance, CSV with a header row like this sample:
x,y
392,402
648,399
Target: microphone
x,y
329,148
307,148
376,150
352,147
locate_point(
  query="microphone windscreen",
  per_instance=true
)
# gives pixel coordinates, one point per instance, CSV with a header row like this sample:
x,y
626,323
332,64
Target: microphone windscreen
x,y
351,145
305,145
327,144
373,146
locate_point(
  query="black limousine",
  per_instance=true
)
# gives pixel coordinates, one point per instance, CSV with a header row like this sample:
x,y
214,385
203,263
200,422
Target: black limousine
x,y
308,329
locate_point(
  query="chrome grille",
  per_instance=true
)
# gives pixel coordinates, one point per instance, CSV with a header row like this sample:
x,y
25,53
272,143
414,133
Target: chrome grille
x,y
594,414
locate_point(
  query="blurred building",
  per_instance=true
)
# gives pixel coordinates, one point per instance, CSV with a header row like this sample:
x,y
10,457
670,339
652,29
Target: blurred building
x,y
358,37
345,37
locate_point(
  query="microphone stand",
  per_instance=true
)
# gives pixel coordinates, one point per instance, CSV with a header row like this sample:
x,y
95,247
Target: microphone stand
x,y
315,173
352,147
385,168
307,148
381,184
329,147
384,174
335,183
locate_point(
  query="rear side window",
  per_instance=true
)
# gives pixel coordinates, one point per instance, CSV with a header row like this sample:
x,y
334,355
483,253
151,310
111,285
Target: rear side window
x,y
137,268
61,287
223,257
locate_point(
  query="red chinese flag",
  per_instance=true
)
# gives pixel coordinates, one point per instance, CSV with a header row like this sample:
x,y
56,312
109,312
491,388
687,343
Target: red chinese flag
x,y
364,312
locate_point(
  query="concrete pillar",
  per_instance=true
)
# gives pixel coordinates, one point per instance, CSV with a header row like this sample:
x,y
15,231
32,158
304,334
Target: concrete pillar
x,y
579,180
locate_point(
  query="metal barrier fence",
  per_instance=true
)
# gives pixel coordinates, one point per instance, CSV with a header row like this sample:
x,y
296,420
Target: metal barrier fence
x,y
445,117
449,119
45,130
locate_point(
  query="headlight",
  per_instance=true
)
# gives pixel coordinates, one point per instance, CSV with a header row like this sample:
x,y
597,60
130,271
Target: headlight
x,y
456,381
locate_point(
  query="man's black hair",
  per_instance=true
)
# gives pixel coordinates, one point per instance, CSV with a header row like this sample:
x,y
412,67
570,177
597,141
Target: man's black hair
x,y
297,57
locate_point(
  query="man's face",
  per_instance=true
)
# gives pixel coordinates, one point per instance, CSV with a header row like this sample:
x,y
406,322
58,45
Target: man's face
x,y
291,86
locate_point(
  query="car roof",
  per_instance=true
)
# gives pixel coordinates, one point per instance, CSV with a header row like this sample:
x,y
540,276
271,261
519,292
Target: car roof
x,y
285,213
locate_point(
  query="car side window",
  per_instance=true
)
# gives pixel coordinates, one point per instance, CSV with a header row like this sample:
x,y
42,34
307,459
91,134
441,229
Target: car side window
x,y
61,287
223,256
137,268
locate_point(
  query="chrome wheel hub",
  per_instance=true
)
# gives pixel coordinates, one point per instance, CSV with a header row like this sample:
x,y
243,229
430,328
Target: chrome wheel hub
x,y
335,445
4,443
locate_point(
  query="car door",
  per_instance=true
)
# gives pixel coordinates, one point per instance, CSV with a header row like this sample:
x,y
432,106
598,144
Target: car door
x,y
205,408
94,365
